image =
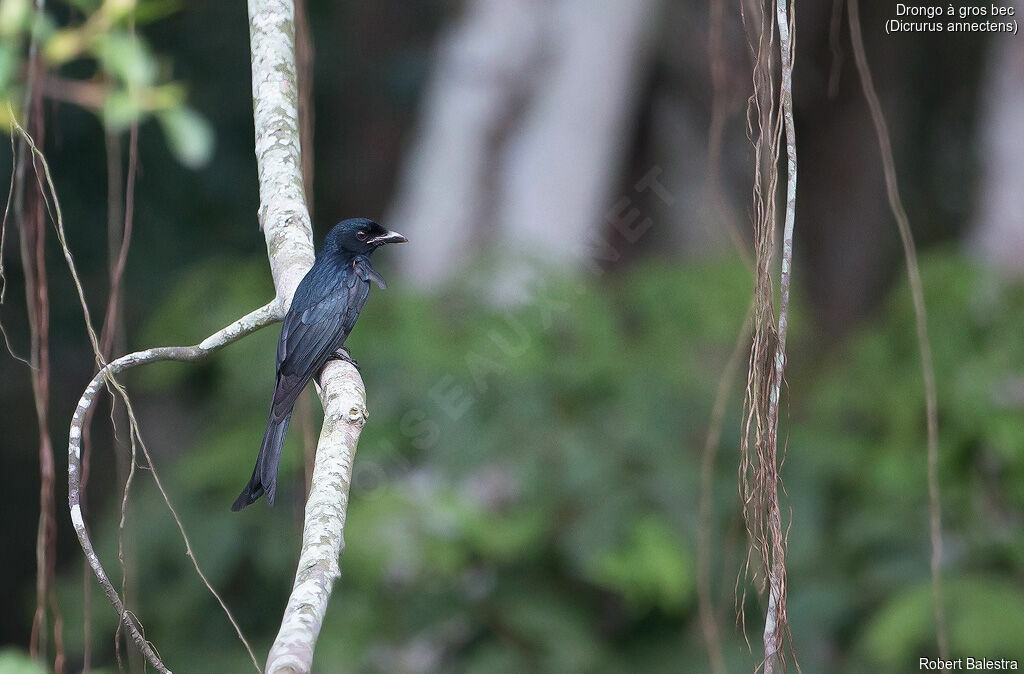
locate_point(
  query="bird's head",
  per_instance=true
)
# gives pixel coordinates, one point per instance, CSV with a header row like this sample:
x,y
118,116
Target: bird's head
x,y
360,236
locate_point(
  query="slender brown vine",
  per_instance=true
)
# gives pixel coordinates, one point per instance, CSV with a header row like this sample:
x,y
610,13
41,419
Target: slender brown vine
x,y
106,378
921,322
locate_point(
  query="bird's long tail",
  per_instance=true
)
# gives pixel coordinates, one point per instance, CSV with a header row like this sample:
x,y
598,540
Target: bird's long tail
x,y
264,475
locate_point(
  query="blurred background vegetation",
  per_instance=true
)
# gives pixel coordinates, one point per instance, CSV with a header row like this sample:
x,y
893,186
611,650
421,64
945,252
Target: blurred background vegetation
x,y
526,491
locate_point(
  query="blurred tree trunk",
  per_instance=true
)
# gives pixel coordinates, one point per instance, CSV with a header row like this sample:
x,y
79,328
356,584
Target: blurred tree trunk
x,y
523,131
560,167
998,228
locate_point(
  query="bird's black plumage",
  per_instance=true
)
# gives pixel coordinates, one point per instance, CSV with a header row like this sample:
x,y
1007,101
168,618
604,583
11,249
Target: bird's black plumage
x,y
323,312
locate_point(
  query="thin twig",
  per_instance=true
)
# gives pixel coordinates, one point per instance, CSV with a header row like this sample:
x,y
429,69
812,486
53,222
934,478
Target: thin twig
x,y
759,26
106,377
112,323
709,623
122,557
31,218
113,312
921,316
3,228
244,326
3,237
112,147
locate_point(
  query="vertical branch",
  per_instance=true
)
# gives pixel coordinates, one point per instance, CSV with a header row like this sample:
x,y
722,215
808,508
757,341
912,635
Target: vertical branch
x,y
33,258
776,622
323,534
283,216
285,222
921,316
759,474
119,241
48,194
120,220
760,124
113,330
286,228
112,147
30,210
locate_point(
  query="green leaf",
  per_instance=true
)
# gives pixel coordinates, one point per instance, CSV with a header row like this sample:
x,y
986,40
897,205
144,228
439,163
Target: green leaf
x,y
64,45
985,616
13,661
14,17
87,7
149,11
118,10
8,66
43,27
127,57
120,110
652,568
507,537
189,136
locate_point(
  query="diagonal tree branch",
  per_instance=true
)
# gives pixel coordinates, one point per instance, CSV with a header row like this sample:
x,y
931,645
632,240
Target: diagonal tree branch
x,y
244,326
285,222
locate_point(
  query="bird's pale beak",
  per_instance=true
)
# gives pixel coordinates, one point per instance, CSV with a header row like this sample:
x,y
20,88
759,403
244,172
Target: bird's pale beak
x,y
387,237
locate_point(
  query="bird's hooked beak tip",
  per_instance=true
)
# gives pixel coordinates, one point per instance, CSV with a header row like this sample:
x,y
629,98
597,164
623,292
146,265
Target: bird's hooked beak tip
x,y
388,237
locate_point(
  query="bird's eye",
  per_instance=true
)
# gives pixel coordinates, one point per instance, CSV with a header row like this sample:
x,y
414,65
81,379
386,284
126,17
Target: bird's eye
x,y
361,235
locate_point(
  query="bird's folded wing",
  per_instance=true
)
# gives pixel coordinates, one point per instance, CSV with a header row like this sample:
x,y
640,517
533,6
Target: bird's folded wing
x,y
307,341
309,338
365,271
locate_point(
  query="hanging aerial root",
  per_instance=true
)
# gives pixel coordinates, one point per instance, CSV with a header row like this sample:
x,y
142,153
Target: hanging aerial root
x,y
921,316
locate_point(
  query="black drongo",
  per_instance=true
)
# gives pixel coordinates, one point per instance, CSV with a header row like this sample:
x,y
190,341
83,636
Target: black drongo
x,y
324,309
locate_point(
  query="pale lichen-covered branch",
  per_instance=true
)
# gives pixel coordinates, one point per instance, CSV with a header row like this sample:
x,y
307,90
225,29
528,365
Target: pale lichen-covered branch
x,y
285,222
322,536
283,215
244,326
770,121
776,625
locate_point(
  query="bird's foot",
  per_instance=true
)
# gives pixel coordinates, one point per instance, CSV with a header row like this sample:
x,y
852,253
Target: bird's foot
x,y
343,354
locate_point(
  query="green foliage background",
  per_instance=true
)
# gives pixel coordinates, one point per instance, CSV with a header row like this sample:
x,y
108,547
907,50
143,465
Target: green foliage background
x,y
552,525
526,488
